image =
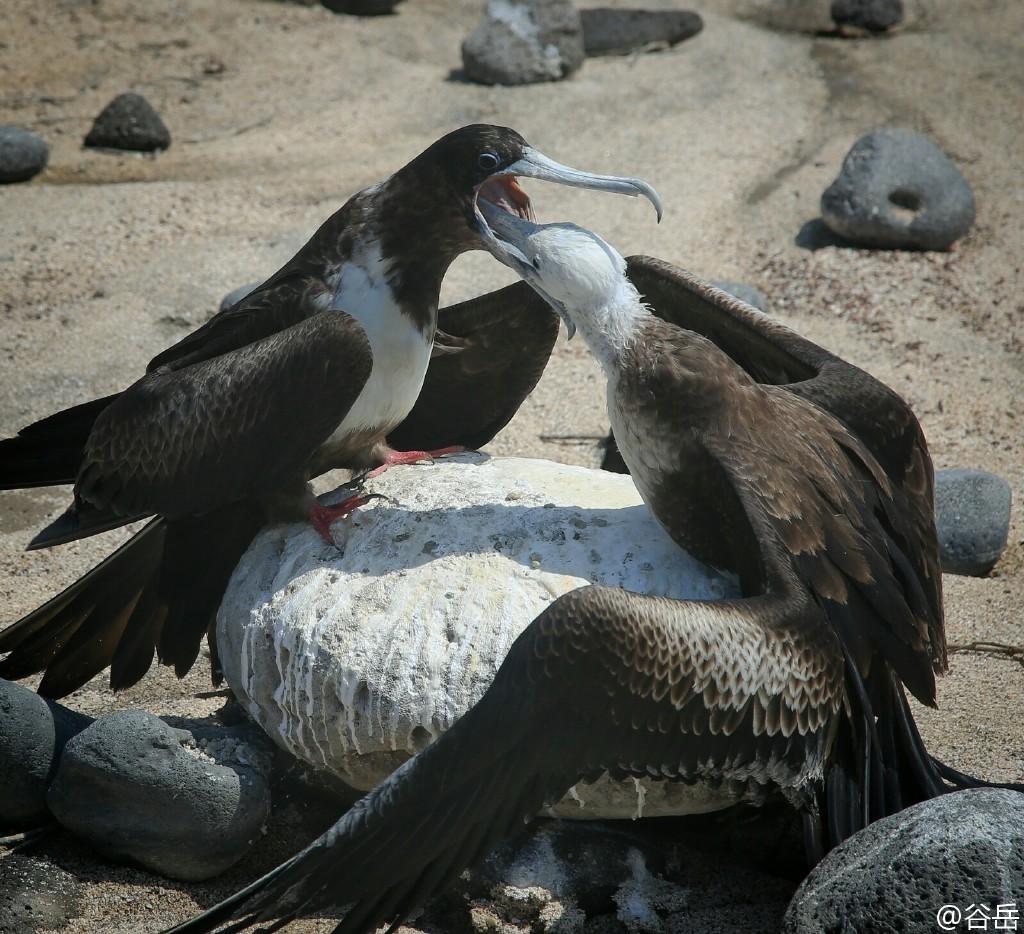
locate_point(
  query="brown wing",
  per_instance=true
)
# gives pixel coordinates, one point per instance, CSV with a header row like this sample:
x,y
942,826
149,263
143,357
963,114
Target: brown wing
x,y
603,680
185,441
494,350
875,416
762,482
159,590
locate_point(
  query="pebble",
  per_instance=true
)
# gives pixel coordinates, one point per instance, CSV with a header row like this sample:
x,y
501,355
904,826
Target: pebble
x,y
33,732
963,850
129,122
620,32
972,516
23,154
898,190
117,777
872,15
524,42
35,895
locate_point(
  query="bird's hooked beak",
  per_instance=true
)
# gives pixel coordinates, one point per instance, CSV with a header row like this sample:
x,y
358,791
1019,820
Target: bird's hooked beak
x,y
510,234
502,190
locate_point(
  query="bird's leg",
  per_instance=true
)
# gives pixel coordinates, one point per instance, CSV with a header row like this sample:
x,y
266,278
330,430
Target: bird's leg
x,y
322,517
413,457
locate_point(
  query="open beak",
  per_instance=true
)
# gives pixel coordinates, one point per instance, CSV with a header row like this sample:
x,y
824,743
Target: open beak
x,y
507,219
510,234
536,165
502,190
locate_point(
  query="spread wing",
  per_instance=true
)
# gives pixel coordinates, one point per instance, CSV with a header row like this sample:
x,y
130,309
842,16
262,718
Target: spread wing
x,y
875,416
492,351
185,440
764,482
603,680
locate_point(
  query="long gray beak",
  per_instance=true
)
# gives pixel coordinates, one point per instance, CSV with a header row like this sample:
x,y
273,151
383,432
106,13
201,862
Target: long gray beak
x,y
535,164
507,244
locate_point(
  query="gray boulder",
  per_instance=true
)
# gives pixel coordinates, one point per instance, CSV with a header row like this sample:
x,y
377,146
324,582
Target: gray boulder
x,y
872,15
972,516
33,732
956,851
129,122
23,154
608,31
898,190
186,806
524,42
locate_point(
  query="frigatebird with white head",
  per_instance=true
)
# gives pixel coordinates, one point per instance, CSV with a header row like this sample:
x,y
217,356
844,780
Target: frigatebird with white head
x,y
311,371
768,458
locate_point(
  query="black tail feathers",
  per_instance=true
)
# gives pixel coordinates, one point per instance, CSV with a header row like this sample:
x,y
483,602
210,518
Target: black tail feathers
x,y
48,452
160,590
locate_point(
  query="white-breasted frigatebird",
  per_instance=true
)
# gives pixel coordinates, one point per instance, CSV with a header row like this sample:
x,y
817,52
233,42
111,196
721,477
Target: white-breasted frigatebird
x,y
311,371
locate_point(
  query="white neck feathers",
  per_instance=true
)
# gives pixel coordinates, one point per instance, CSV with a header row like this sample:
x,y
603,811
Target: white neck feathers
x,y
587,277
612,326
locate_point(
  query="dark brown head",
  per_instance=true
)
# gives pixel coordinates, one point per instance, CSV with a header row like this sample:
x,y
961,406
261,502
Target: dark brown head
x,y
432,203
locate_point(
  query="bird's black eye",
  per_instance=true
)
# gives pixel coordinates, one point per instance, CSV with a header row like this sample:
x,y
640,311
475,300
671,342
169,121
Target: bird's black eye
x,y
488,161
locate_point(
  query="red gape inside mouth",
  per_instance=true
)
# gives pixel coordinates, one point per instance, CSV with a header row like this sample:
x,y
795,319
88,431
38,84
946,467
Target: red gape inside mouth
x,y
504,192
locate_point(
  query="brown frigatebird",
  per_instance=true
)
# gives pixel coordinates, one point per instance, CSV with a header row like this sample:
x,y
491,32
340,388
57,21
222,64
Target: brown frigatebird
x,y
766,457
311,371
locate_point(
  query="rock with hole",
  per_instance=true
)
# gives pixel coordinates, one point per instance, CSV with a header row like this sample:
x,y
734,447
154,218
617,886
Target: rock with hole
x,y
898,190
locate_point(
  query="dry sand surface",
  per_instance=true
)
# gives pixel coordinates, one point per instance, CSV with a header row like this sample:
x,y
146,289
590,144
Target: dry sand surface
x,y
279,112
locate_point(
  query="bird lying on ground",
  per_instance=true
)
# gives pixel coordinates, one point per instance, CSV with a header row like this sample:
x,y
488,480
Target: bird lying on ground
x,y
311,371
762,455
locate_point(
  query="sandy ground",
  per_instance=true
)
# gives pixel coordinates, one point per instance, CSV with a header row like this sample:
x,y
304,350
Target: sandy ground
x,y
278,113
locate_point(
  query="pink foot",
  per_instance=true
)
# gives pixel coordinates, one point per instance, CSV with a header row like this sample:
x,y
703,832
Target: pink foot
x,y
323,517
413,457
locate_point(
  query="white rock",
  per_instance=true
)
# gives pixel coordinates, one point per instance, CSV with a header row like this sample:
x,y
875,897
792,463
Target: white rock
x,y
354,658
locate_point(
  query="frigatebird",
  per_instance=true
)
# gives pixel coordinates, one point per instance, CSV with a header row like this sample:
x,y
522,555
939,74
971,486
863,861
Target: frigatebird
x,y
768,458
311,371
